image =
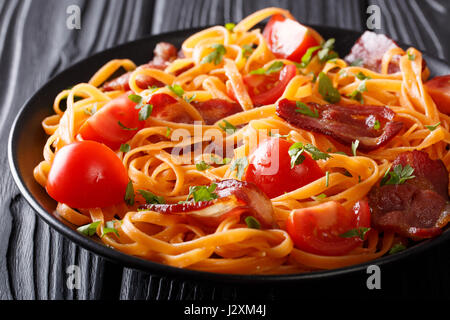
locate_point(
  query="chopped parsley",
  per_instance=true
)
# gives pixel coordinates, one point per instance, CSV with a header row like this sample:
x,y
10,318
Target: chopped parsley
x,y
230,26
397,248
252,222
398,175
168,131
239,165
151,198
202,193
227,127
202,166
177,90
274,67
216,55
357,232
377,125
135,98
297,149
125,147
126,128
433,127
411,56
109,228
145,112
219,161
129,194
304,109
327,179
321,196
189,100
357,94
325,53
362,76
89,229
326,89
247,50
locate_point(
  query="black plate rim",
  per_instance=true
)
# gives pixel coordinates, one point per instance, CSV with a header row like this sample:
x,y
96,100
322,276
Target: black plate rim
x,y
169,271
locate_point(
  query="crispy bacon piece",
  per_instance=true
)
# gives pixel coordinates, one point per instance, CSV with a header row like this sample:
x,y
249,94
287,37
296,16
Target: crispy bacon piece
x,y
419,207
234,197
345,124
215,109
370,48
164,53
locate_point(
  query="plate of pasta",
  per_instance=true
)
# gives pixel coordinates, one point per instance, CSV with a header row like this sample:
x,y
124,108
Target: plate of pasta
x,y
247,151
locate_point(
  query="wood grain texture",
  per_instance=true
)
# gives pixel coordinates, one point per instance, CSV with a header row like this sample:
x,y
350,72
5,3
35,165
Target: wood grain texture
x,y
35,44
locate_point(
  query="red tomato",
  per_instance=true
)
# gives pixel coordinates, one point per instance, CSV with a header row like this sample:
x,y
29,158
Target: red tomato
x,y
318,229
104,125
87,174
175,113
439,90
270,168
288,39
266,89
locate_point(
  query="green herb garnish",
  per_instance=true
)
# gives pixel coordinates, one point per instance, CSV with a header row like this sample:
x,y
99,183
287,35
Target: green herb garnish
x,y
129,194
202,193
252,222
89,229
125,147
433,127
227,127
326,89
304,109
109,228
398,175
216,55
239,165
397,248
357,232
151,198
202,166
274,67
177,90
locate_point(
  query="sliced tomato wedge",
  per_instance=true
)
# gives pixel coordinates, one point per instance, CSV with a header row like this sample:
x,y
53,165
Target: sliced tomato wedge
x,y
114,124
87,174
267,89
270,168
166,107
439,90
288,39
320,229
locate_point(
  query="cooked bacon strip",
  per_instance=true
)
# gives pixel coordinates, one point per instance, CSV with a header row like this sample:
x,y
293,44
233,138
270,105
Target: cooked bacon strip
x,y
419,207
234,197
215,109
345,124
164,53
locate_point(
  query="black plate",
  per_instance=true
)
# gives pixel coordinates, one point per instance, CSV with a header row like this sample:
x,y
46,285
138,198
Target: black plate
x,y
27,139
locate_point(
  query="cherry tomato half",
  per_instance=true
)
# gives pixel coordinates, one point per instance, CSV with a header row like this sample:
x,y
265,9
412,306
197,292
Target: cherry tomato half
x,y
266,89
288,39
270,168
87,174
104,125
319,229
439,90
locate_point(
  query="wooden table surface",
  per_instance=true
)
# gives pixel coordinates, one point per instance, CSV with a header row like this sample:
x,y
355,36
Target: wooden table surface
x,y
35,44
